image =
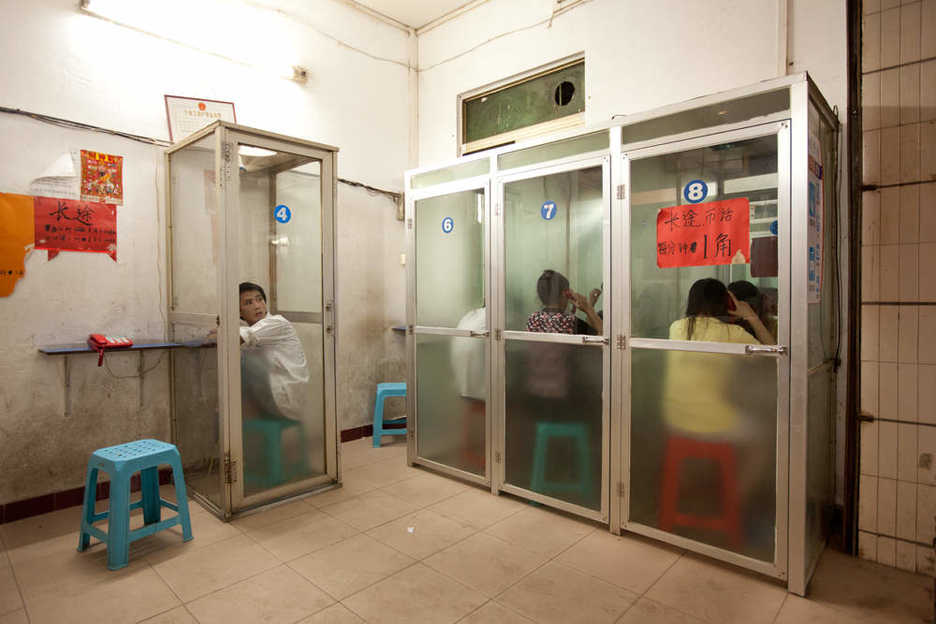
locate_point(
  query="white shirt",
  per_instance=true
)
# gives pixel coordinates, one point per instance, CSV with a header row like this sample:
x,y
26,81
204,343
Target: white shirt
x,y
275,342
468,358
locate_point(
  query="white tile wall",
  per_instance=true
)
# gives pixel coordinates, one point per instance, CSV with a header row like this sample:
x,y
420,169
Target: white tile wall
x,y
897,482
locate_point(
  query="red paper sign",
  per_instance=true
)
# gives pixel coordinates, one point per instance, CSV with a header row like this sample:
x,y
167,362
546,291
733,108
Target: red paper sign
x,y
704,234
71,225
101,177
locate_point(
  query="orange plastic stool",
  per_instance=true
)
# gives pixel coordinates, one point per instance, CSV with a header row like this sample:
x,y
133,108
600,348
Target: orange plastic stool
x,y
677,451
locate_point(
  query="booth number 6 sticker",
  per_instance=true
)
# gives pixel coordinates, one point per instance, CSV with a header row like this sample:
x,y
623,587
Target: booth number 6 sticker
x,y
695,191
448,224
282,213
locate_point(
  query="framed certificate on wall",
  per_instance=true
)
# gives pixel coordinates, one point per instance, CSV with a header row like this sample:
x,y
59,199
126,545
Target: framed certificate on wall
x,y
187,115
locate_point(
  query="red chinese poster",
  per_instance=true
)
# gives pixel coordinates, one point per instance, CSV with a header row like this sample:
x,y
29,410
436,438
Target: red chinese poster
x,y
101,177
704,234
71,225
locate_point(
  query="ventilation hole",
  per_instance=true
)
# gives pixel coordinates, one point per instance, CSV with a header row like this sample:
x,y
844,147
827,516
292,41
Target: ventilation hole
x,y
564,93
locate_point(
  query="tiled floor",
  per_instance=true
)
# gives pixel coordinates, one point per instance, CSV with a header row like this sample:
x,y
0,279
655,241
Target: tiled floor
x,y
399,544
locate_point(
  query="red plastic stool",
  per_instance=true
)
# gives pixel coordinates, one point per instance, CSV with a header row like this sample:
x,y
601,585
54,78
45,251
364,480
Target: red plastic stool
x,y
678,450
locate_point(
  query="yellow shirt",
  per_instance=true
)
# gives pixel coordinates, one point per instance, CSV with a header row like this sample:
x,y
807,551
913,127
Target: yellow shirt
x,y
697,388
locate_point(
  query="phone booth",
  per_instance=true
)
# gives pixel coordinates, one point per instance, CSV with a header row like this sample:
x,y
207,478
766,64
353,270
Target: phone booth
x,y
251,275
638,323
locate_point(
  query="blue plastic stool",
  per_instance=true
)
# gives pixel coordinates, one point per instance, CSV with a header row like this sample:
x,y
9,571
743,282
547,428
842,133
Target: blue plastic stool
x,y
121,462
386,390
272,431
579,434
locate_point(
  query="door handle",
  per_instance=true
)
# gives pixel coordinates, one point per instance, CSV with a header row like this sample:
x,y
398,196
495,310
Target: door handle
x,y
595,340
482,333
765,349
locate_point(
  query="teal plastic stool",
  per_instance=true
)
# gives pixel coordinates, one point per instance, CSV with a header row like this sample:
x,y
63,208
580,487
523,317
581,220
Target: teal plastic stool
x,y
121,462
578,432
384,391
274,473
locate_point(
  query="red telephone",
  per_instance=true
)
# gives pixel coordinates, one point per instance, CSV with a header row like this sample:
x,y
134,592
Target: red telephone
x,y
101,343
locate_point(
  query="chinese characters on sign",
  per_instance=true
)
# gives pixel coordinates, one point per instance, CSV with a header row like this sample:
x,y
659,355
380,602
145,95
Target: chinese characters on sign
x,y
816,208
704,234
101,177
69,225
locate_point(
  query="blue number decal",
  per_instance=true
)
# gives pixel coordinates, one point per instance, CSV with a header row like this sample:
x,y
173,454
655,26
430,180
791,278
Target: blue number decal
x,y
548,210
448,224
695,191
282,213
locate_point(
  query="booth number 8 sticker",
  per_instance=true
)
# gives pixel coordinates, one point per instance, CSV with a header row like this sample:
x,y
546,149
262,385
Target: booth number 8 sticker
x,y
695,191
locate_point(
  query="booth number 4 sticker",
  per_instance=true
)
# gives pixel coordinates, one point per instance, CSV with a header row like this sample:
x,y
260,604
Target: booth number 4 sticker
x,y
282,213
695,191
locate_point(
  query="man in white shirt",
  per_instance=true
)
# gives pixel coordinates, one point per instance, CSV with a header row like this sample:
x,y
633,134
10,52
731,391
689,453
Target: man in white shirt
x,y
275,371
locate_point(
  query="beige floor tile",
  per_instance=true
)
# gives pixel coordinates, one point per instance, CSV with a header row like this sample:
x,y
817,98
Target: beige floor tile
x,y
380,474
179,615
350,566
15,617
631,562
541,531
335,614
126,596
796,610
272,515
859,588
347,491
493,613
424,490
37,529
199,572
416,594
167,544
718,593
9,593
646,611
369,510
485,563
560,594
478,508
294,537
277,596
421,534
361,452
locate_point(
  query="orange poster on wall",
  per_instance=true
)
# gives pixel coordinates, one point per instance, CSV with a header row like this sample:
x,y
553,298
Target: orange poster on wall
x,y
704,234
16,237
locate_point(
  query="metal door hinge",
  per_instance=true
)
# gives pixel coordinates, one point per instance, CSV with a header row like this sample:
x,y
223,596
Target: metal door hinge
x,y
621,191
498,334
230,469
409,330
622,489
409,224
621,342
226,152
497,457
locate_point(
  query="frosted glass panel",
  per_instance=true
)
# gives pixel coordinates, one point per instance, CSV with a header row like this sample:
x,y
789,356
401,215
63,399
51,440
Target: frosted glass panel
x,y
552,223
452,378
282,376
195,235
552,151
554,420
449,174
820,454
197,424
739,170
449,258
703,447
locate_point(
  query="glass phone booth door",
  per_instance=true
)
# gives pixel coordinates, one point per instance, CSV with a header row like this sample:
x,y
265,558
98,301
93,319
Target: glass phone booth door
x,y
705,371
448,334
553,260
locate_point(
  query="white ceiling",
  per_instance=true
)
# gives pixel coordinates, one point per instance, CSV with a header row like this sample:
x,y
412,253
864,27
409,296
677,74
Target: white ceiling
x,y
414,13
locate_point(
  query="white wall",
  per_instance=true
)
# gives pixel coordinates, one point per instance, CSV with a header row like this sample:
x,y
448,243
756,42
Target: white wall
x,y
639,54
61,62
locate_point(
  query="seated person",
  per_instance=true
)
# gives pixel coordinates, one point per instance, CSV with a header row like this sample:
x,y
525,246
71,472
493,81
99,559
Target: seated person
x,y
275,372
553,290
750,294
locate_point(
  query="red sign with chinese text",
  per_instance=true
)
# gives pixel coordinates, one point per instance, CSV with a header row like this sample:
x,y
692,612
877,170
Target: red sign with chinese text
x,y
101,177
704,234
71,225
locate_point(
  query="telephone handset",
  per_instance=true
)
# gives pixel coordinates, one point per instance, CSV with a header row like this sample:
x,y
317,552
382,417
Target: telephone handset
x,y
102,343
